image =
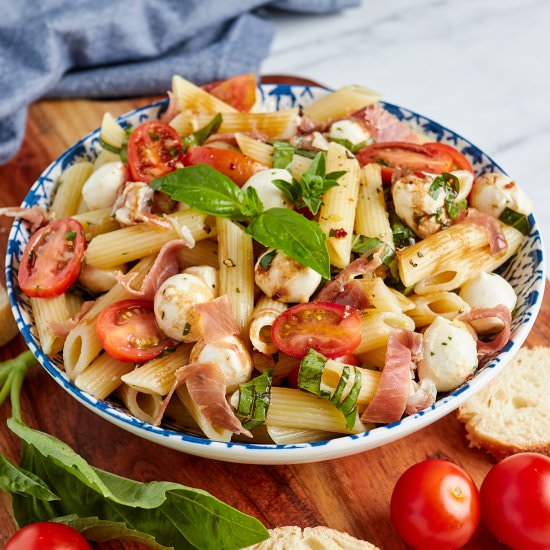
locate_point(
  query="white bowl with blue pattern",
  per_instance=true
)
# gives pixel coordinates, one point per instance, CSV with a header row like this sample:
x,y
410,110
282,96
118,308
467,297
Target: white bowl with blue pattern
x,y
525,271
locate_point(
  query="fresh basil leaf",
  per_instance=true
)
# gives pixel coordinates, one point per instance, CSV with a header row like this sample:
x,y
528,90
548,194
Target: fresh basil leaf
x,y
18,481
367,245
100,530
251,204
202,134
282,154
204,189
293,234
267,259
352,147
308,153
292,190
174,515
335,175
516,220
403,235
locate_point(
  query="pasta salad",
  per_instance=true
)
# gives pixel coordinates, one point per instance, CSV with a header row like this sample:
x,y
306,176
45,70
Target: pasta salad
x,y
279,277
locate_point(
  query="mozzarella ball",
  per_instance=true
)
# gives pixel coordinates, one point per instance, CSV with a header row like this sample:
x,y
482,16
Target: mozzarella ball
x,y
207,274
100,189
449,354
270,195
284,279
423,213
494,192
350,130
230,354
488,290
174,302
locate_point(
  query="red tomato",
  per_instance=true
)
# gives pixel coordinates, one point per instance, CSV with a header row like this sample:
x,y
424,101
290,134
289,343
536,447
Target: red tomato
x,y
349,359
154,149
128,331
330,329
239,91
52,259
47,536
232,164
429,157
435,506
515,501
292,377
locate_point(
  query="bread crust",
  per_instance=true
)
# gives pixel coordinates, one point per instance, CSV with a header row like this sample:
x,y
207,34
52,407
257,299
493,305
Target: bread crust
x,y
527,358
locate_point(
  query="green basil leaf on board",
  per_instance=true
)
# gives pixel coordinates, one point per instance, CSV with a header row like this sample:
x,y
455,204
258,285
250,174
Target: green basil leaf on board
x,y
204,189
282,154
100,530
516,220
54,482
293,234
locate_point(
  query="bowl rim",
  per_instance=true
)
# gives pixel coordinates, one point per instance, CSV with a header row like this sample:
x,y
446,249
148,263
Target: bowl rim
x,y
254,453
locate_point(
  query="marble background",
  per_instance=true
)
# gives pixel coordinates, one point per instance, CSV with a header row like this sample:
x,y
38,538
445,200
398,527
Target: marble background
x,y
480,67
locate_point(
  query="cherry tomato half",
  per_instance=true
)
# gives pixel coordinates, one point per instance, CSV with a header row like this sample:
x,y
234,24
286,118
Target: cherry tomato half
x,y
330,329
154,149
435,506
128,331
47,536
52,259
515,501
238,91
429,157
232,164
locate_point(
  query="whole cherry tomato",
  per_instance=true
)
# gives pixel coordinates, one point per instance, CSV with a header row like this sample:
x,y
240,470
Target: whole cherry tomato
x,y
47,536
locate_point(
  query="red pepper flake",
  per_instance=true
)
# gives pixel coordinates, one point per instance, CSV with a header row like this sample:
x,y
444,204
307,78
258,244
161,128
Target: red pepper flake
x,y
338,233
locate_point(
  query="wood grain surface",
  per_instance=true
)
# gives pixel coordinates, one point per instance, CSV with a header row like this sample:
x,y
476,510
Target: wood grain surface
x,y
351,494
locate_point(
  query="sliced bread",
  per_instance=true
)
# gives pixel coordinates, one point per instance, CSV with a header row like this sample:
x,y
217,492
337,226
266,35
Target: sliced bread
x,y
512,413
310,538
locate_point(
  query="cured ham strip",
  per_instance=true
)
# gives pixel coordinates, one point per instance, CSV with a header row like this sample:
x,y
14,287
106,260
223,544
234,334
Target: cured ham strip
x,y
62,328
497,239
500,312
36,216
343,290
383,126
216,319
390,400
166,265
173,109
206,385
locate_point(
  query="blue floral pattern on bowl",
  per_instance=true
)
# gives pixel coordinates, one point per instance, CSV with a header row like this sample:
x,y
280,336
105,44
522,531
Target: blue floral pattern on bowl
x,y
525,271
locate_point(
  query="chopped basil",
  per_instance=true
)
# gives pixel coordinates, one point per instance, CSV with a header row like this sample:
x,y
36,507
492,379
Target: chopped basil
x,y
403,235
186,329
367,245
108,147
282,154
311,371
308,153
70,235
267,259
352,147
254,399
202,134
451,186
516,220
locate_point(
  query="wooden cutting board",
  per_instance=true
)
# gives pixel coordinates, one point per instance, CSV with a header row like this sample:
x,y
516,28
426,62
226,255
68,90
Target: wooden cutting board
x,y
351,494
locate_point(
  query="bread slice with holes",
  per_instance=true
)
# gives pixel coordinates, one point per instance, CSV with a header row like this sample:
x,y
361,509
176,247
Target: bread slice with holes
x,y
512,413
311,538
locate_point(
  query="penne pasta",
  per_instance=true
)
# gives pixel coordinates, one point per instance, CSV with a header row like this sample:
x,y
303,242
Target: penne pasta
x,y
289,436
299,165
337,214
341,103
255,149
158,376
69,192
104,157
137,241
236,269
144,406
96,222
381,297
375,357
103,376
376,327
265,312
112,132
189,96
371,219
429,306
185,122
203,253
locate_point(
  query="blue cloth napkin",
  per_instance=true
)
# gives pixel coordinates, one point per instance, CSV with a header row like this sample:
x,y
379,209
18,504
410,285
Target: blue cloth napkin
x,y
117,48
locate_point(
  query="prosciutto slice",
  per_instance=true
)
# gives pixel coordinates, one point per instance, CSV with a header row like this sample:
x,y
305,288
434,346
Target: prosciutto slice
x,y
343,289
497,239
166,265
390,400
61,329
206,385
501,339
36,216
217,319
173,109
383,126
